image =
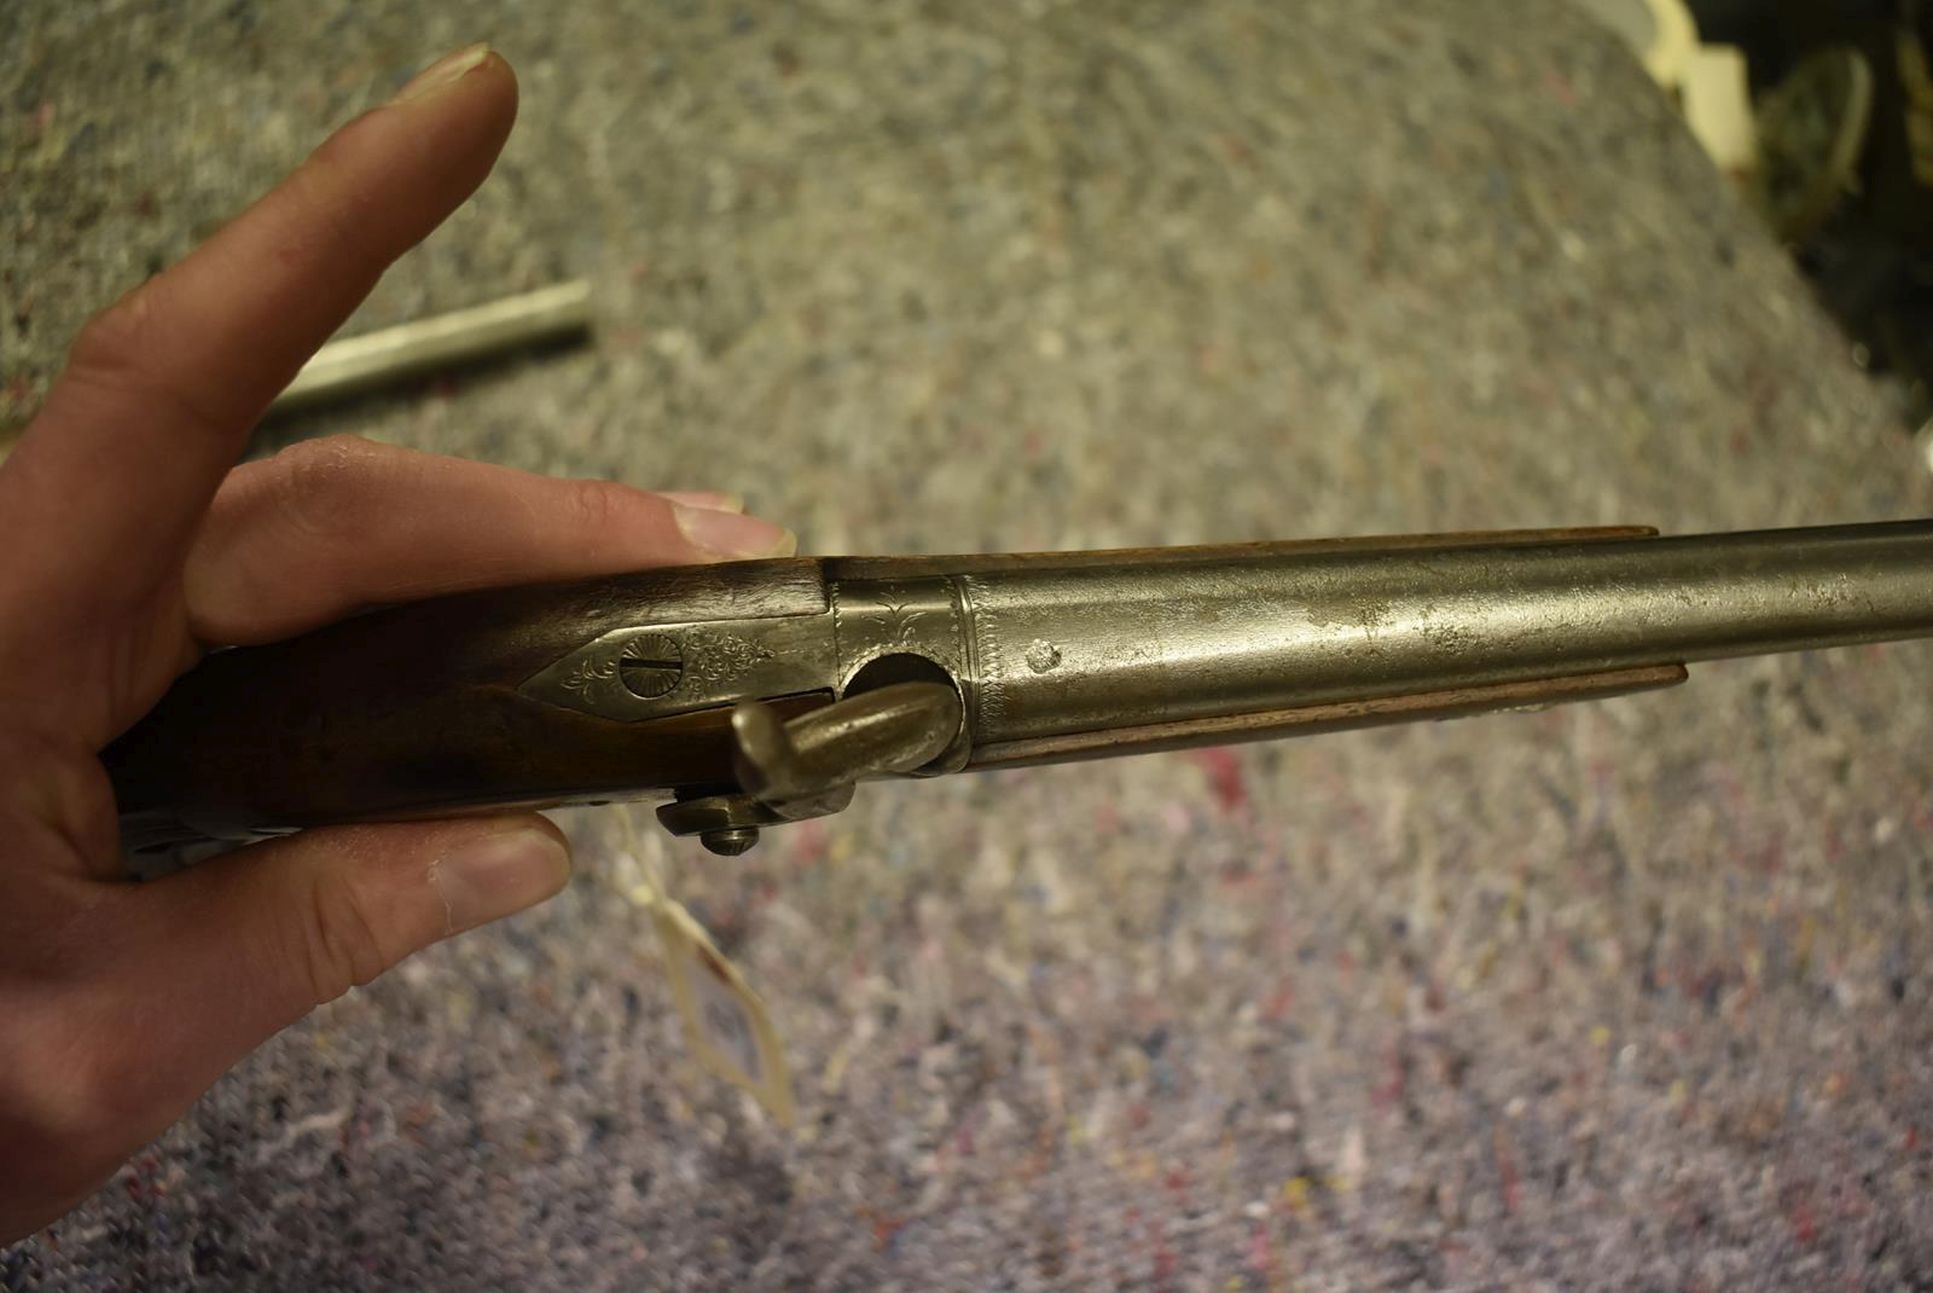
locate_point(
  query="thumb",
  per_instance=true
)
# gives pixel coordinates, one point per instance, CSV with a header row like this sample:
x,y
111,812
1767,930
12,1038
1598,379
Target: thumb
x,y
181,978
238,948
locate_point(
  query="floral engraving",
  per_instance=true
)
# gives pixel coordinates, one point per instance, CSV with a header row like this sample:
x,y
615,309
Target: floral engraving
x,y
713,658
594,668
900,621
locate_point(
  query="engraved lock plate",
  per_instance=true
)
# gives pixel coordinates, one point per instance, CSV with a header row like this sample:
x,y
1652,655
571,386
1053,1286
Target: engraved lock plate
x,y
653,671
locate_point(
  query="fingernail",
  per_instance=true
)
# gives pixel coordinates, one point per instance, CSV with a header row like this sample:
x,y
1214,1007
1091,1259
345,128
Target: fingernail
x,y
728,534
489,877
710,499
444,72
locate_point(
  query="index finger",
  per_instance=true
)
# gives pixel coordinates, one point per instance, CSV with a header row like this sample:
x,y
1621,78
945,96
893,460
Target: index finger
x,y
162,389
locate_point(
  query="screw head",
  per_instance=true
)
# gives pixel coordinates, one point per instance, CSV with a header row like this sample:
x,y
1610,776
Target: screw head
x,y
730,841
651,665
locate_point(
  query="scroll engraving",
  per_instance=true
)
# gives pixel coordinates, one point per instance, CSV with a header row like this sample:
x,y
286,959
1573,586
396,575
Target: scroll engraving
x,y
713,658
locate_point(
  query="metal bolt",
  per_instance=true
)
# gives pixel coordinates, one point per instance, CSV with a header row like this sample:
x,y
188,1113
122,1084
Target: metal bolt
x,y
651,665
730,841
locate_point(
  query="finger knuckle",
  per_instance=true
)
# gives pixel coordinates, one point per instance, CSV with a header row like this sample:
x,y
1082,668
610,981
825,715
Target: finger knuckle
x,y
342,942
117,340
600,509
592,504
119,346
335,235
323,489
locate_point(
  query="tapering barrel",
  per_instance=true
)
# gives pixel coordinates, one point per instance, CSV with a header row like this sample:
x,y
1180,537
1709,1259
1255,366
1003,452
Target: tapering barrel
x,y
1090,647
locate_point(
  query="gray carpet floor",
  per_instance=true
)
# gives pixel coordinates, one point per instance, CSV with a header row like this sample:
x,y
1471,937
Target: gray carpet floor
x,y
1629,995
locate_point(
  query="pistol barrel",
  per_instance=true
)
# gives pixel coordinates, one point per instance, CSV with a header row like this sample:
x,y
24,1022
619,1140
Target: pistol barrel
x,y
1097,649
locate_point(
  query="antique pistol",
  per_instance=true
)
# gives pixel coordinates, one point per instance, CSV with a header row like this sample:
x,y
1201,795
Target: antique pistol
x,y
757,693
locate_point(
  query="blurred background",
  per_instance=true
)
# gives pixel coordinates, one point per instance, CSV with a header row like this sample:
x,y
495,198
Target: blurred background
x,y
1623,995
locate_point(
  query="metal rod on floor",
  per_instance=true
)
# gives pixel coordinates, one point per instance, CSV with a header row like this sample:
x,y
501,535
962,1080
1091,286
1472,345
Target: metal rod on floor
x,y
355,365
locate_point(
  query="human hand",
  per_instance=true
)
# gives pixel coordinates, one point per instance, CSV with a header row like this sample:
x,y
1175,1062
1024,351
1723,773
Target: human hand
x,y
133,542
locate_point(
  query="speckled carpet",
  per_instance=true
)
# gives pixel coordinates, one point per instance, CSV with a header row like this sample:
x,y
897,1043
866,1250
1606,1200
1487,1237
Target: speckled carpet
x,y
1624,996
